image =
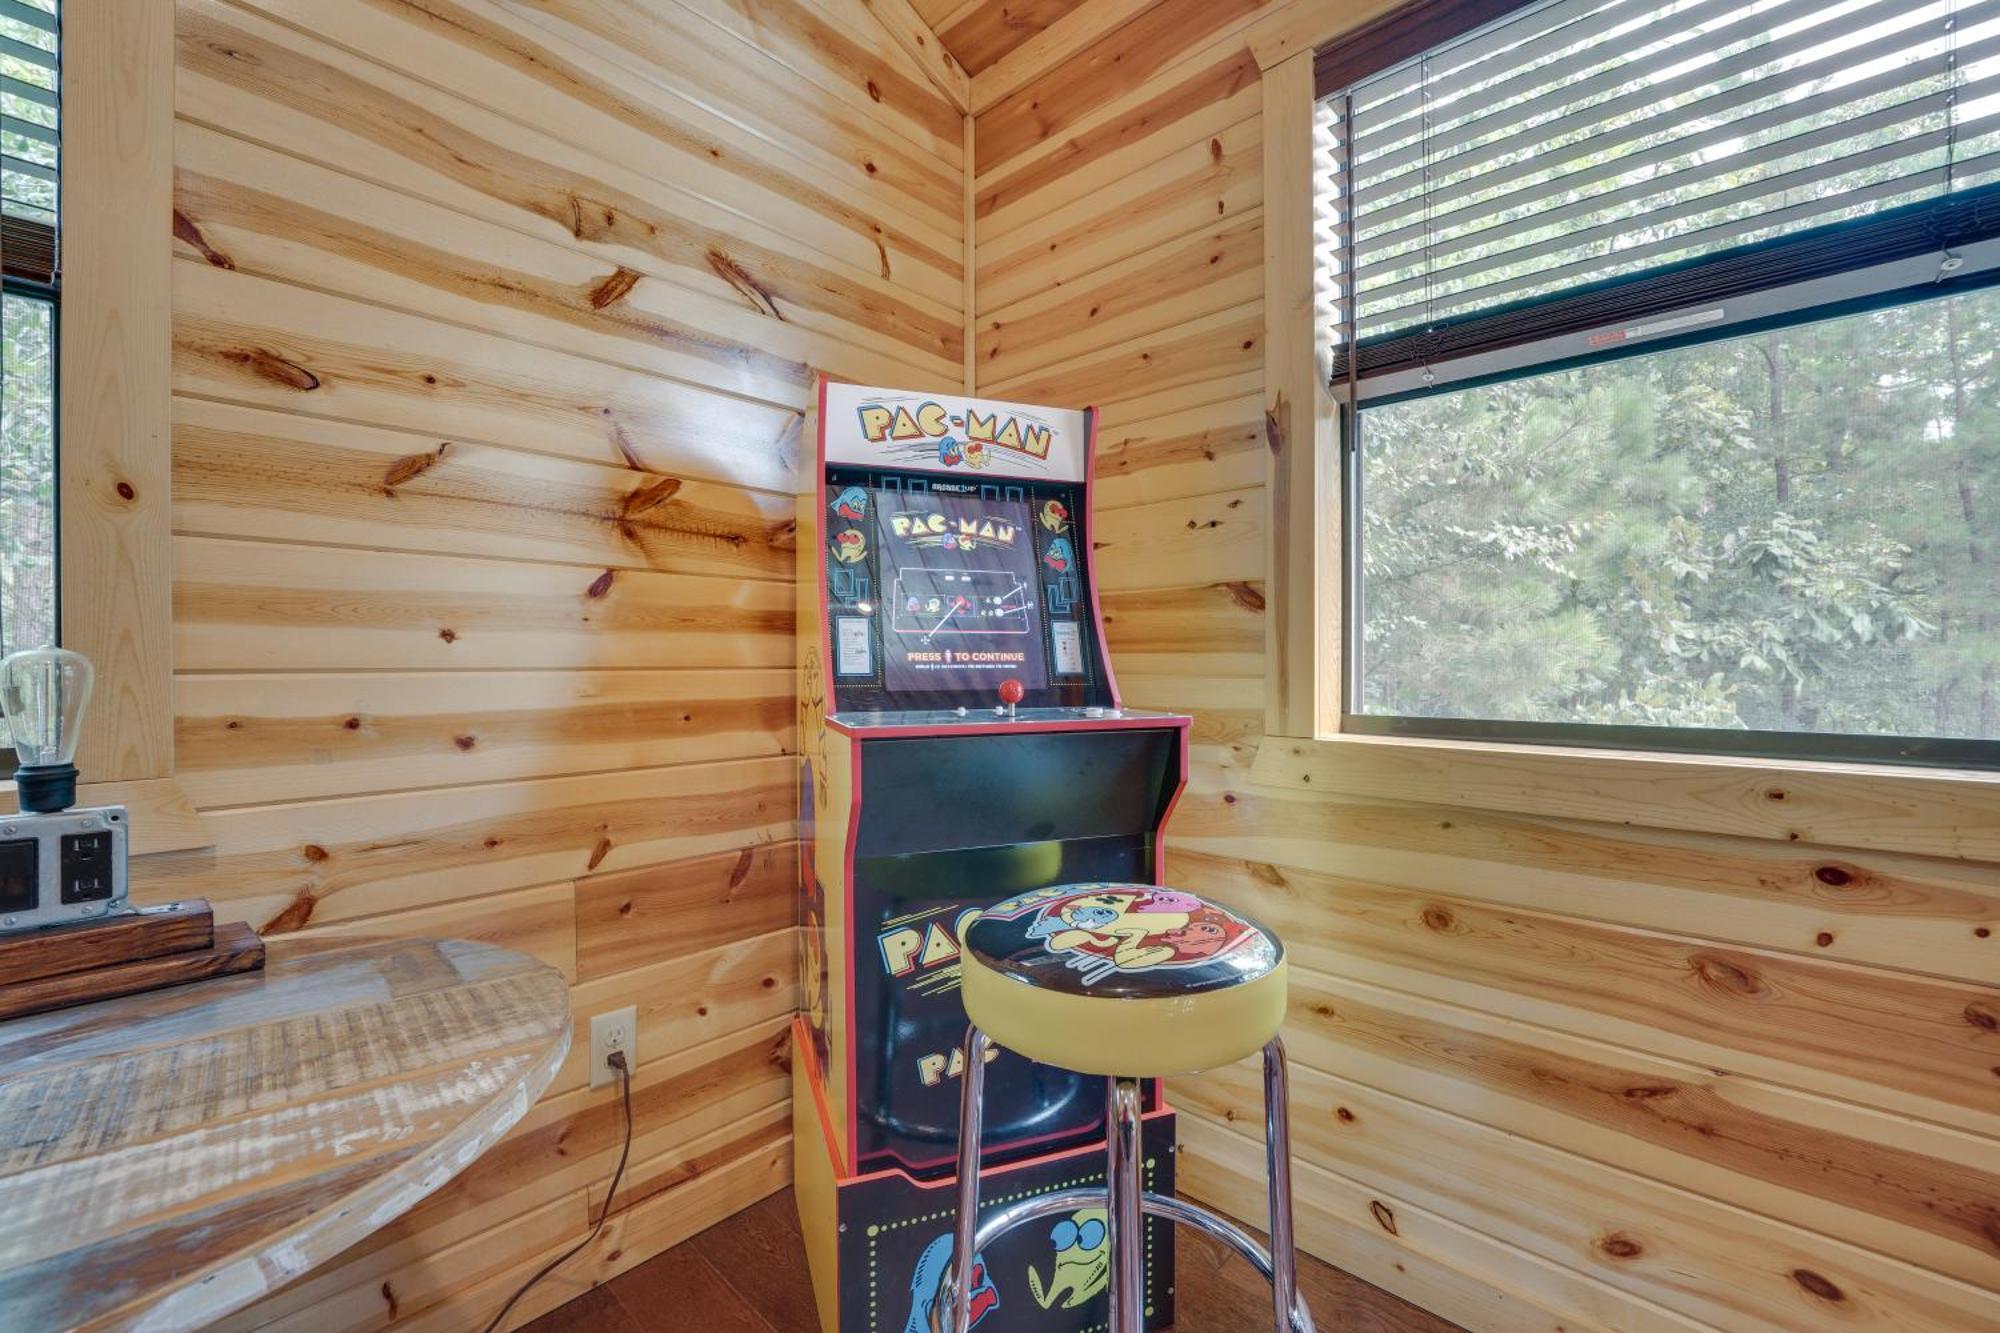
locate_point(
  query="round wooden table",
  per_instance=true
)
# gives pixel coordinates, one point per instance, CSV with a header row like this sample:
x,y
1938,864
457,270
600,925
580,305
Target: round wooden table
x,y
167,1158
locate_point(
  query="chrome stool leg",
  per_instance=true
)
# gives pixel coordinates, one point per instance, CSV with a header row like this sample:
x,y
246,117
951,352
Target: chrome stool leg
x,y
971,1128
1124,1223
1125,1201
1278,1158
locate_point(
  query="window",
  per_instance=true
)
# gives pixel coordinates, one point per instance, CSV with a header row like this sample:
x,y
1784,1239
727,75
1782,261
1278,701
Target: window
x,y
29,141
28,183
1666,338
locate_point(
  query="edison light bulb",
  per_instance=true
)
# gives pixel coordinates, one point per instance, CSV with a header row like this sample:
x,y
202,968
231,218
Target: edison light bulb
x,y
43,692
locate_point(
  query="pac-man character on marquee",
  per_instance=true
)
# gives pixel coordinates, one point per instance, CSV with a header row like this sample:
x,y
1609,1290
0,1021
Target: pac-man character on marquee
x,y
851,504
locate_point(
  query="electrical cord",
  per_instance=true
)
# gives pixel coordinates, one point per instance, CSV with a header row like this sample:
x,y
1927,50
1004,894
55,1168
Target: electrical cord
x,y
617,1061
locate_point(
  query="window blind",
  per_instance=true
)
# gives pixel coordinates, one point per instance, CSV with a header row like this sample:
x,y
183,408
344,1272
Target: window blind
x,y
1580,161
30,137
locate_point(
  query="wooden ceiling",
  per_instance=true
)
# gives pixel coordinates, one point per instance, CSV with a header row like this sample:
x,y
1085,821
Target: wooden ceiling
x,y
979,32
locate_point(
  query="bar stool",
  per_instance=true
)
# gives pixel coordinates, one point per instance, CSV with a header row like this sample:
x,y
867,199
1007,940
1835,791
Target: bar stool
x,y
1130,981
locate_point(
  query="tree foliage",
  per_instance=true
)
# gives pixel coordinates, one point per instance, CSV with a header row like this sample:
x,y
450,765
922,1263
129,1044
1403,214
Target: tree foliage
x,y
27,474
1789,531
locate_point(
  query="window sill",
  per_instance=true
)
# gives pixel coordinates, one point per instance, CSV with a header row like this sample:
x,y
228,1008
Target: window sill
x,y
1930,811
163,819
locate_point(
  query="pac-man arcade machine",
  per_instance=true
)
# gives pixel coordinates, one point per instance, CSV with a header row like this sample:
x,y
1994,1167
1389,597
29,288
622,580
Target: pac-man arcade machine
x,y
962,741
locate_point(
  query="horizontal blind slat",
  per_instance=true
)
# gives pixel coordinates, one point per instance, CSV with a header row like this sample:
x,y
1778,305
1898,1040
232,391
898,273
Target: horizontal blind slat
x,y
1676,142
1592,268
27,168
1878,241
1451,103
1405,167
1438,252
32,55
1391,94
1593,141
28,129
28,14
27,92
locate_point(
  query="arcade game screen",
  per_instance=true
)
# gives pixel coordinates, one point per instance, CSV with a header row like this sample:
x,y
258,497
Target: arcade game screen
x,y
959,596
938,591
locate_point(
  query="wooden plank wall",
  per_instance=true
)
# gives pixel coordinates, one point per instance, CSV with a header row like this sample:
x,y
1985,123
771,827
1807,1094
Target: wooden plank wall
x,y
493,326
1550,1073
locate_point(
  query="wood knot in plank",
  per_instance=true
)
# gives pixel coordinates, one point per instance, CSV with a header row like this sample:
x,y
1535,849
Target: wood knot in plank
x,y
1646,1092
1722,975
626,449
615,287
1440,920
1982,1017
1834,875
1817,1285
601,584
741,870
598,853
1245,595
1385,1216
411,466
748,287
1620,1245
294,916
185,230
266,364
649,497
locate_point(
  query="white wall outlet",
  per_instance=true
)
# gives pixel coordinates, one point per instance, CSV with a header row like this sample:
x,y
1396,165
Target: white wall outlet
x,y
615,1031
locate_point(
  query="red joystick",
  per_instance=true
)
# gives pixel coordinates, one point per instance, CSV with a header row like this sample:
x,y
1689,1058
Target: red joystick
x,y
1012,692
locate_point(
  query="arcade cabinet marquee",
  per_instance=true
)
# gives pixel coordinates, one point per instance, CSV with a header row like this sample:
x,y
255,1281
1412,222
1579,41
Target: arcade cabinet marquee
x,y
962,741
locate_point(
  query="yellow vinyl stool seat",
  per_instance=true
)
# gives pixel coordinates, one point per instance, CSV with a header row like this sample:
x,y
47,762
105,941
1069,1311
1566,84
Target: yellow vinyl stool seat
x,y
1123,980
1130,982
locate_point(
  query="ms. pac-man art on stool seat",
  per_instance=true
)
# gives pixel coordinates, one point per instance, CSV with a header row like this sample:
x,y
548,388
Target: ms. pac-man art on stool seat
x,y
1131,980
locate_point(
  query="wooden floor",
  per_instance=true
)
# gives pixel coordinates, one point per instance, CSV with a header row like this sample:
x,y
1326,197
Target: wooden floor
x,y
748,1275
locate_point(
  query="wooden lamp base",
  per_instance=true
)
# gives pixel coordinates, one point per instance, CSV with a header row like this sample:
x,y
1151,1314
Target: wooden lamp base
x,y
136,951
